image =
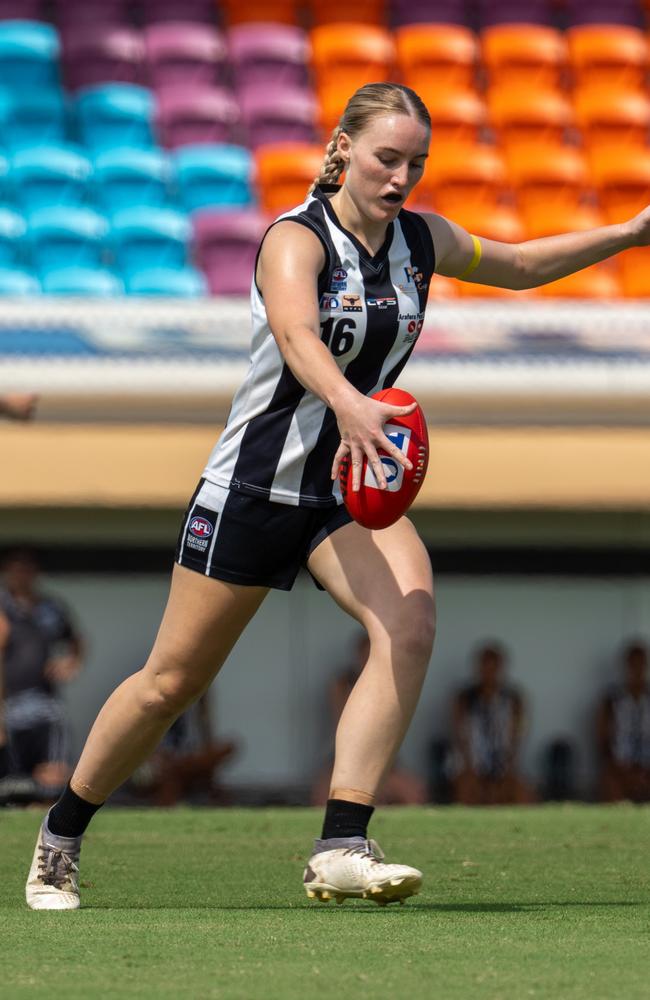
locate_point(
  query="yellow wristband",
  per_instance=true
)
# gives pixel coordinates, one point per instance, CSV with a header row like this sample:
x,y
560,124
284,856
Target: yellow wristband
x,y
475,261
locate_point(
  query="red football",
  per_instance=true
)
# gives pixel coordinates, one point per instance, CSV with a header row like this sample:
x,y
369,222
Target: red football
x,y
375,508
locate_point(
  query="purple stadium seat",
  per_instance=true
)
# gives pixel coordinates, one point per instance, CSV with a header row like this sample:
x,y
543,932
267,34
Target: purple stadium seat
x,y
276,113
262,53
430,11
22,10
605,12
196,114
226,244
514,12
185,53
198,11
112,55
76,13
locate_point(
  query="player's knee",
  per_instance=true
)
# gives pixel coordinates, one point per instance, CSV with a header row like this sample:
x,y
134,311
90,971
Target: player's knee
x,y
413,636
170,692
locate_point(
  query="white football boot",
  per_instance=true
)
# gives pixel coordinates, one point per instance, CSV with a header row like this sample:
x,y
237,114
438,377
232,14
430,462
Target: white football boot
x,y
52,883
353,867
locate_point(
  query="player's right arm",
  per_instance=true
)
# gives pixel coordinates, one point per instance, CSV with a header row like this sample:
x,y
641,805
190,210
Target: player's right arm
x,y
290,262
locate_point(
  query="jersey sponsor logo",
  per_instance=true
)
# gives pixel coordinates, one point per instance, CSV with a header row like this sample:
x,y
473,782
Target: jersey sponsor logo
x,y
339,279
409,316
383,302
413,329
393,470
414,276
351,303
328,302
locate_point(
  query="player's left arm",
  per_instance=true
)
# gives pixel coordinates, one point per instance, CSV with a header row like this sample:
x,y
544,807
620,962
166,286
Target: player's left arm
x,y
533,262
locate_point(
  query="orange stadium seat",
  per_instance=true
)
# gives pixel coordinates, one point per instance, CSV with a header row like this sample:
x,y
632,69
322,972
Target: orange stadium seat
x,y
612,118
442,288
521,117
457,116
551,177
437,55
285,172
362,12
278,11
462,176
348,55
608,55
524,55
540,220
622,182
634,269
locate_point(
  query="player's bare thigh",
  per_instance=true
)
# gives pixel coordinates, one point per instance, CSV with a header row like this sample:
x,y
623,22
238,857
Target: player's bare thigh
x,y
381,578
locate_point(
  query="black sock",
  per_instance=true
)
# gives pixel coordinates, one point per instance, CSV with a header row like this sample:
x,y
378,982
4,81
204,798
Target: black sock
x,y
70,816
346,819
4,761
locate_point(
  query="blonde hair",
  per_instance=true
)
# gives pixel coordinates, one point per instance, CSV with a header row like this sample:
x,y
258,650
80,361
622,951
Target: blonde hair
x,y
366,103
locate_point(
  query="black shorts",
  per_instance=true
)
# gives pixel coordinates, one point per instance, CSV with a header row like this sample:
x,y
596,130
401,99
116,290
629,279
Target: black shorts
x,y
252,541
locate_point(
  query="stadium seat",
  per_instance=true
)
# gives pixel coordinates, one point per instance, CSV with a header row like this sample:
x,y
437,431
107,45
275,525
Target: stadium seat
x,y
114,115
16,282
260,11
177,282
50,175
543,220
268,53
609,55
163,11
600,281
521,117
361,12
12,232
493,12
22,10
185,53
437,55
622,182
65,234
73,13
214,176
32,117
29,54
457,116
604,12
188,115
441,289
128,177
610,118
429,12
459,176
285,173
144,238
524,55
112,55
540,175
226,247
368,56
95,282
499,222
634,271
277,113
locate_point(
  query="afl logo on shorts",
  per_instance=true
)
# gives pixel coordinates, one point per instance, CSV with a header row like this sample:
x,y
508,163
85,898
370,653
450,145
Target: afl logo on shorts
x,y
200,528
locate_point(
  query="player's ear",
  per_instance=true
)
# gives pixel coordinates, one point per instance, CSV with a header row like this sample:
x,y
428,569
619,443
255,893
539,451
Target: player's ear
x,y
344,145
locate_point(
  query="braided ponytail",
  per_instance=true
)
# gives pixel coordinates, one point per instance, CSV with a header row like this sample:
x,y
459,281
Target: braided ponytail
x,y
332,167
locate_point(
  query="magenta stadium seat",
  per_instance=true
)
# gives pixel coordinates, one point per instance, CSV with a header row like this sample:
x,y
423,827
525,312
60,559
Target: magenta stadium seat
x,y
430,12
185,53
22,10
515,12
196,114
111,55
226,245
268,53
75,13
605,12
198,11
275,113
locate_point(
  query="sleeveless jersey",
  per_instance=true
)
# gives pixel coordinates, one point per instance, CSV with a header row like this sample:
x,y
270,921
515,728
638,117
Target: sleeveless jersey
x,y
280,439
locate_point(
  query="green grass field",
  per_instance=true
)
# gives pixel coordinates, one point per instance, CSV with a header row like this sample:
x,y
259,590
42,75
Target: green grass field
x,y
543,902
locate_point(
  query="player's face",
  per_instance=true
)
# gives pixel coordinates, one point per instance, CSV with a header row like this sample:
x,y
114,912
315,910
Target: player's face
x,y
385,162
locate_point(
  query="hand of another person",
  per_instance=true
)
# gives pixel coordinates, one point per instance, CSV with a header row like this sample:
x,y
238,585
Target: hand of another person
x,y
18,405
361,422
62,668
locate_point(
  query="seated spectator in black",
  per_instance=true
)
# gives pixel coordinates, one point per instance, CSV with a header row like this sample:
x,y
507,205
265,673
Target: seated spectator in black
x,y
488,724
623,731
39,650
400,786
183,765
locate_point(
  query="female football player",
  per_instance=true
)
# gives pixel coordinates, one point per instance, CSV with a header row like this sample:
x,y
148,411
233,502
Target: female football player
x,y
339,293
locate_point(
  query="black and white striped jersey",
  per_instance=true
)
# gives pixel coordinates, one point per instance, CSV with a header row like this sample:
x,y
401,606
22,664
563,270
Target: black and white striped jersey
x,y
280,439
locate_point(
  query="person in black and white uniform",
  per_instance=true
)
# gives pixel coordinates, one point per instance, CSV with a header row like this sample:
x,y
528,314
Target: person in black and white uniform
x,y
340,289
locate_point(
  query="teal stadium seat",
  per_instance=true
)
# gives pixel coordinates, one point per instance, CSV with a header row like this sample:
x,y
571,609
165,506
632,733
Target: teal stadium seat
x,y
29,55
32,118
14,282
181,282
213,176
12,233
144,238
127,177
95,282
115,115
50,175
65,235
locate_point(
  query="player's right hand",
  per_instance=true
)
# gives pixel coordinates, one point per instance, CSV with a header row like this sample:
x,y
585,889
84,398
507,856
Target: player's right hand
x,y
361,422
